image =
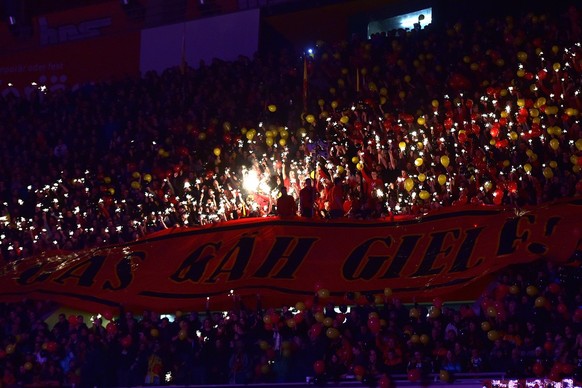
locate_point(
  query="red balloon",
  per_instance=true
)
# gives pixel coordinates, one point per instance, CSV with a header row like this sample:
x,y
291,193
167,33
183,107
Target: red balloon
x,y
462,137
538,369
384,382
498,196
374,325
275,318
298,318
359,370
126,341
111,328
414,375
52,347
494,131
554,288
319,367
549,346
567,369
315,330
108,315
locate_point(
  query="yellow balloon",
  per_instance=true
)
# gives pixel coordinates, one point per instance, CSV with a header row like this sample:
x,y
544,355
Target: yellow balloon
x,y
408,184
216,151
355,160
435,103
424,195
556,66
488,185
344,119
360,166
527,167
445,161
421,121
555,144
522,56
579,144
442,179
272,108
334,104
282,142
269,141
421,177
147,177
310,119
571,112
548,173
493,335
444,375
553,164
520,102
513,135
418,162
402,146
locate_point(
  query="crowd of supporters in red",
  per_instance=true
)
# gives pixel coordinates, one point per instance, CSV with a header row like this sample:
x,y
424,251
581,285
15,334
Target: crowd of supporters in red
x,y
482,112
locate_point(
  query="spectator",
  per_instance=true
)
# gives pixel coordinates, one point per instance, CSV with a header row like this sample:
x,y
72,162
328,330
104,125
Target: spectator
x,y
286,204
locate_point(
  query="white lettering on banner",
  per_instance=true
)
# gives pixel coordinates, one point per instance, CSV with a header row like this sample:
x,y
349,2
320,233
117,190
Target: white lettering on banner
x,y
70,32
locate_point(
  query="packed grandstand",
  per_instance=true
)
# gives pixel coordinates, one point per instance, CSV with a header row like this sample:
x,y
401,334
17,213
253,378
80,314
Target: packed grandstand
x,y
480,113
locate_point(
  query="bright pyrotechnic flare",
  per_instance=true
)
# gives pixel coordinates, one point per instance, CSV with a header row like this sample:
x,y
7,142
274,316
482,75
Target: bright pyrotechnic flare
x,y
250,180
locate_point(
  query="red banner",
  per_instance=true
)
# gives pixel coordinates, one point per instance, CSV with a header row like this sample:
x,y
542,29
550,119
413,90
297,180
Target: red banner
x,y
444,254
72,47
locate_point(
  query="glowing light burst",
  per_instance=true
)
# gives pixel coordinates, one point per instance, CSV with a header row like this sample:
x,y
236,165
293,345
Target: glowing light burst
x,y
251,180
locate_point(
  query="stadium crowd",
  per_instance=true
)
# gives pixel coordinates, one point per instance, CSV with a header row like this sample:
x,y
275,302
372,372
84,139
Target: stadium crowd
x,y
407,121
527,324
484,112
